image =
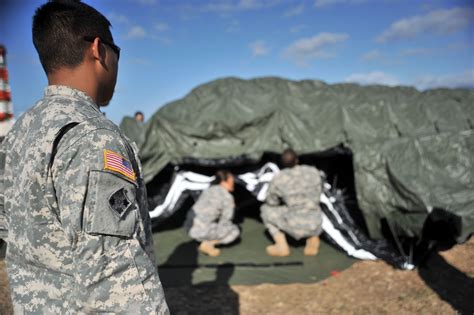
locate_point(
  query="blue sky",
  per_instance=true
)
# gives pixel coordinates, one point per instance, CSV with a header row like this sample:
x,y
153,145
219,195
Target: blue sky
x,y
170,47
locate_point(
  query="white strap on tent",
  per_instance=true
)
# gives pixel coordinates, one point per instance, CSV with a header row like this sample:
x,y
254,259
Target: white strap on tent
x,y
329,204
198,178
263,176
182,182
329,228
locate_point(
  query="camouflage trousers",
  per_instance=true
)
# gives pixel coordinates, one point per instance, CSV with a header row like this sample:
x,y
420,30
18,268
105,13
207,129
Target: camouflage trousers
x,y
223,231
297,223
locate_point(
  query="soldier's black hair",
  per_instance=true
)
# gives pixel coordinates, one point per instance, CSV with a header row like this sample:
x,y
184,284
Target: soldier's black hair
x,y
289,158
221,176
139,113
59,28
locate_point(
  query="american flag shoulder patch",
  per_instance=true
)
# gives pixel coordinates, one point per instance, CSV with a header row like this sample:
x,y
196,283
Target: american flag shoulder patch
x,y
117,163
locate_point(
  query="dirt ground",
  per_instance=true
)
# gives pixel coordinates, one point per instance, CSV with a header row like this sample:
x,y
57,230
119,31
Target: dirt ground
x,y
443,285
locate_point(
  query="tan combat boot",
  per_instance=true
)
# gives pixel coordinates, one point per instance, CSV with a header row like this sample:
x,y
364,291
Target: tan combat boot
x,y
280,248
207,247
312,246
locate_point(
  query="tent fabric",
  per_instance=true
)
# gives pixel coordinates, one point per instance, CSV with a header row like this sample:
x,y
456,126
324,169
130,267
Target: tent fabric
x,y
412,151
133,129
405,179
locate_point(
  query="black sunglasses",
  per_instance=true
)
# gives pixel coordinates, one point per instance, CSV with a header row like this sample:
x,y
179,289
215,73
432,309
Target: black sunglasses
x,y
114,47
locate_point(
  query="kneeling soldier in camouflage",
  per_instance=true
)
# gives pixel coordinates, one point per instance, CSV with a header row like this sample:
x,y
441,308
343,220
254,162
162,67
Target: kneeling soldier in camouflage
x,y
292,206
210,219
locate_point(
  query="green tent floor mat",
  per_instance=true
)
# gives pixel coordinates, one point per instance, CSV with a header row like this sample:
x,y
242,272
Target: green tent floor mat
x,y
244,262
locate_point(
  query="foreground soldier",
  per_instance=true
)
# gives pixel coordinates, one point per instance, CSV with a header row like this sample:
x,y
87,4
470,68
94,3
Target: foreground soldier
x,y
210,219
292,206
73,203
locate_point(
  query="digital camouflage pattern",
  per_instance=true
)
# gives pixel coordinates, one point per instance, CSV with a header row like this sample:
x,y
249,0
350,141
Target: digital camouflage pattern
x,y
79,236
292,203
211,216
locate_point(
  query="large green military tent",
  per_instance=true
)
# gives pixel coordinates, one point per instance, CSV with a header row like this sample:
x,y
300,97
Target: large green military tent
x,y
411,152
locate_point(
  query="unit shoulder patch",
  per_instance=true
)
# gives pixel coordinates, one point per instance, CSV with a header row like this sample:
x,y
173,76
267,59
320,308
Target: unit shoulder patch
x,y
119,202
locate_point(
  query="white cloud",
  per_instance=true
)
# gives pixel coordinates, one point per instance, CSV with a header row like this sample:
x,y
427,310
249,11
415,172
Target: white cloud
x,y
459,80
233,27
161,27
375,77
461,46
226,6
464,79
163,39
135,32
439,22
297,28
305,49
324,3
393,58
414,52
147,2
159,33
294,11
371,55
259,48
117,18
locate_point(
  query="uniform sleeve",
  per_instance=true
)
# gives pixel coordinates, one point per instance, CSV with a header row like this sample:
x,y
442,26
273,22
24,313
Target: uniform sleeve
x,y
228,208
207,207
317,185
3,217
96,195
273,195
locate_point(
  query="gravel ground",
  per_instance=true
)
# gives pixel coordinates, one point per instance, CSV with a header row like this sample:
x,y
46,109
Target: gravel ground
x,y
443,285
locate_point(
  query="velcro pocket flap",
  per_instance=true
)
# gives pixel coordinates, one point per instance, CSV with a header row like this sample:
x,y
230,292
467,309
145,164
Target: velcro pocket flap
x,y
111,206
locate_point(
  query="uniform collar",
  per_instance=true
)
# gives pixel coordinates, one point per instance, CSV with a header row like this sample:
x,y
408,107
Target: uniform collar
x,y
62,90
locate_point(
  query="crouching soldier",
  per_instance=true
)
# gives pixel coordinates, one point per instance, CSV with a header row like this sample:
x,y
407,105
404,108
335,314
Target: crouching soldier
x,y
292,206
210,219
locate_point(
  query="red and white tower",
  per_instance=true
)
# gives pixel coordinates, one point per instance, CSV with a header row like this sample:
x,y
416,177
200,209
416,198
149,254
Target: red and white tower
x,y
6,107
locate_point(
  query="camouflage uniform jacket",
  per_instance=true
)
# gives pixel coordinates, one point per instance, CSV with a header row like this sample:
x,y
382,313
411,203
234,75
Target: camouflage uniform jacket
x,y
73,207
292,202
298,188
215,204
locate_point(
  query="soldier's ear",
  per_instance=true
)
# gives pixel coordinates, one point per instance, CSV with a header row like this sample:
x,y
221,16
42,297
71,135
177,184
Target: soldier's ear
x,y
98,50
93,49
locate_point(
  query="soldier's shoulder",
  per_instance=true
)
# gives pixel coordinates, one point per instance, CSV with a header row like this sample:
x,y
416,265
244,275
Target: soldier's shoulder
x,y
282,176
215,189
53,113
98,132
94,147
214,192
101,123
307,168
25,121
61,109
